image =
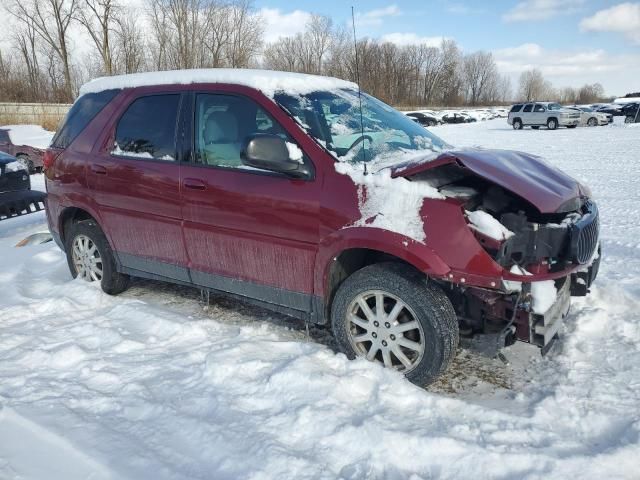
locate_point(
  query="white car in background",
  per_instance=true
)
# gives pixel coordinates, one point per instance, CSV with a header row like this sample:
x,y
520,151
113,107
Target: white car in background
x,y
590,118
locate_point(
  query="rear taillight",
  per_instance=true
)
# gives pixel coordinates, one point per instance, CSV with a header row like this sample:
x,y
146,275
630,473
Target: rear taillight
x,y
48,158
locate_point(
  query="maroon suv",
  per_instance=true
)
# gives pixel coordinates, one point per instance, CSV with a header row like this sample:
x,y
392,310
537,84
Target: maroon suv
x,y
302,195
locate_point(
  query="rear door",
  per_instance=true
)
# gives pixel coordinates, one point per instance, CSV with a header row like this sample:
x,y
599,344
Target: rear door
x,y
527,115
248,231
539,116
135,179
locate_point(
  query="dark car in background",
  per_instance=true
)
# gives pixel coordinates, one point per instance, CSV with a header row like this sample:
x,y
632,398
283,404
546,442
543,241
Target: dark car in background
x,y
31,157
16,196
457,118
631,112
424,119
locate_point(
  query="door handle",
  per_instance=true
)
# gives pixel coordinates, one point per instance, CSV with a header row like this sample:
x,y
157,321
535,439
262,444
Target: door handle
x,y
194,184
98,169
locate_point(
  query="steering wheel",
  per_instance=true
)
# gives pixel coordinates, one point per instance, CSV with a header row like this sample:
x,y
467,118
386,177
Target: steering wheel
x,y
359,140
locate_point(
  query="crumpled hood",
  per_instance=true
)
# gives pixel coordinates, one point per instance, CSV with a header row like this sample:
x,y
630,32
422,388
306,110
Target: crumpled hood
x,y
526,175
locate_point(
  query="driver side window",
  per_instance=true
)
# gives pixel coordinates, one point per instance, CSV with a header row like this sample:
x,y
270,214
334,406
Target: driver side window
x,y
222,123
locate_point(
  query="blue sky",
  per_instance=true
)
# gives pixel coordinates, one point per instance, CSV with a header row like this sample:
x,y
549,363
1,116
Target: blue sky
x,y
572,41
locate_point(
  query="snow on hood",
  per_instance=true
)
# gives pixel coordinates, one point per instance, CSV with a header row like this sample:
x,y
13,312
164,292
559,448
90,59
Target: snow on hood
x,y
31,135
267,81
526,175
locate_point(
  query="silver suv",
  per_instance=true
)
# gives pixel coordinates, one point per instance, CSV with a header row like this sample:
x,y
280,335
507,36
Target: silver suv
x,y
542,114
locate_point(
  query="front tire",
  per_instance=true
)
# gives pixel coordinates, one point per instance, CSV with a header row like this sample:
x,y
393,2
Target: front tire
x,y
592,122
517,124
89,257
391,314
552,124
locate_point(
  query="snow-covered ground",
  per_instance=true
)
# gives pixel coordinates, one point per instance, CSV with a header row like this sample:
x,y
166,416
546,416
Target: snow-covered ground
x,y
153,385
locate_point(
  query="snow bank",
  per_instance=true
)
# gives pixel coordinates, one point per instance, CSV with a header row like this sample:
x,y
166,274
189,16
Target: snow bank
x,y
267,81
149,384
487,225
32,135
389,203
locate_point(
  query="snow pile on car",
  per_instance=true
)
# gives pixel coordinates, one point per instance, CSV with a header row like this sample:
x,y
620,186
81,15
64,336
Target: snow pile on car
x,y
388,203
267,81
31,135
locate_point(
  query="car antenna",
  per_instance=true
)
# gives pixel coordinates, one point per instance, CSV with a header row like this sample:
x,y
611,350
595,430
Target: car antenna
x,y
355,46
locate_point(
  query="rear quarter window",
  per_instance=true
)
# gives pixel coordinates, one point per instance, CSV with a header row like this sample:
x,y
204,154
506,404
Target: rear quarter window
x,y
516,108
147,129
82,112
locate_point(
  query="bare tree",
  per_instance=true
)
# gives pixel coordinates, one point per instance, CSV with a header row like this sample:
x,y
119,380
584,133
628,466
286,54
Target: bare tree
x,y
50,19
480,74
129,48
99,18
26,40
246,34
533,86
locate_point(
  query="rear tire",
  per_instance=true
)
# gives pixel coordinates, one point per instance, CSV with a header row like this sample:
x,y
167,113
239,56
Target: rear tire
x,y
552,124
424,319
90,256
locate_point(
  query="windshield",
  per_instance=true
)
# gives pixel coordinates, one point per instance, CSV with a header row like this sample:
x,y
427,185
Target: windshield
x,y
333,119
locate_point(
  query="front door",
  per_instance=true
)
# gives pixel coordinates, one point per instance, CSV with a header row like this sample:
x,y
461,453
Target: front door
x,y
247,231
135,178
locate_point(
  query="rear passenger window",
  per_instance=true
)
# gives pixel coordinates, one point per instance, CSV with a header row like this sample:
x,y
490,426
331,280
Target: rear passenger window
x,y
538,108
527,107
82,112
148,128
516,108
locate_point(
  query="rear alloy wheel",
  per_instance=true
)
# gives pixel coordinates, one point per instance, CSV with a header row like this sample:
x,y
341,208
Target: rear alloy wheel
x,y
552,124
390,314
517,124
90,257
26,161
592,122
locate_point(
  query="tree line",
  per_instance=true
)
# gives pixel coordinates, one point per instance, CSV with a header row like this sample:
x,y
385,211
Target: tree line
x,y
40,65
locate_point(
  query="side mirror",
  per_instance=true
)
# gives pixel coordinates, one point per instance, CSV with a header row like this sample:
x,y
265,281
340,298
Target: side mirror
x,y
270,152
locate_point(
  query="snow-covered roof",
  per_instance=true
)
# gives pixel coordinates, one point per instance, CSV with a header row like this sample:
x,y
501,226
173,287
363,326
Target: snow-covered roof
x,y
627,100
32,135
267,81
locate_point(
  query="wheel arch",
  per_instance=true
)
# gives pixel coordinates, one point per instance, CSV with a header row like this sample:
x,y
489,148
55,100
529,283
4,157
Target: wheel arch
x,y
363,246
70,215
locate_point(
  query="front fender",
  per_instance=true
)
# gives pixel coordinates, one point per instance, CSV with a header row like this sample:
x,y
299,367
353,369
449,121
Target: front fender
x,y
411,251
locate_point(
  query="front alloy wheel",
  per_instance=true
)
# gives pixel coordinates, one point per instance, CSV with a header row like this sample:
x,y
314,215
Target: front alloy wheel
x,y
391,314
383,328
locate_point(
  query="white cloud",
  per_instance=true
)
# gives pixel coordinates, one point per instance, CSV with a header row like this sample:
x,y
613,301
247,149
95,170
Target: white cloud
x,y
462,9
623,18
374,18
402,39
616,72
541,9
278,24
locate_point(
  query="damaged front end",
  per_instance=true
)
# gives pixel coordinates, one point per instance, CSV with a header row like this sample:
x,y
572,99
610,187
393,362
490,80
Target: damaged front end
x,y
535,242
